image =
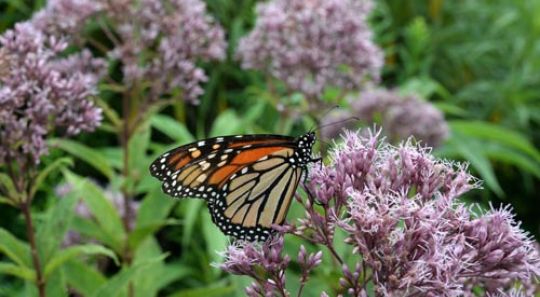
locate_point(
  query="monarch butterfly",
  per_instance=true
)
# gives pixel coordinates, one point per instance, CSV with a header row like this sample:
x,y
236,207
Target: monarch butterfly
x,y
247,180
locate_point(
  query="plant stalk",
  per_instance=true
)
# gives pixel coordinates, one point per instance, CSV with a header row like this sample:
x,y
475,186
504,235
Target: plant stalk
x,y
40,279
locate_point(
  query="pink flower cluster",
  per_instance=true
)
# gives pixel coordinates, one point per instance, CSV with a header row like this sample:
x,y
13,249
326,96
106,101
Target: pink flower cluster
x,y
157,42
40,92
401,116
407,229
312,45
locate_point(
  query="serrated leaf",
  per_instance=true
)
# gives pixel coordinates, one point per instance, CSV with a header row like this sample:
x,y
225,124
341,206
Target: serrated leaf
x,y
18,271
172,128
15,249
89,155
101,208
75,251
58,163
118,282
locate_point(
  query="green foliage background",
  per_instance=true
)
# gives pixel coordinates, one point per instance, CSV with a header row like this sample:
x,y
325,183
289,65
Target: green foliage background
x,y
478,61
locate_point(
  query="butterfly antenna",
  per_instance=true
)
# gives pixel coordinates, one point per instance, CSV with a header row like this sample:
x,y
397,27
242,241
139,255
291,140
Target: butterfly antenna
x,y
352,118
324,115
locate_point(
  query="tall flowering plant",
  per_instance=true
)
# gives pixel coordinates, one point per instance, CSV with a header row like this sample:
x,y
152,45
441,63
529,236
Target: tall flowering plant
x,y
408,233
309,48
149,58
41,94
401,116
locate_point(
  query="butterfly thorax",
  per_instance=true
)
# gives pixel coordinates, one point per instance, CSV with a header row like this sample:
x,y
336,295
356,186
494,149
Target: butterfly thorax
x,y
302,155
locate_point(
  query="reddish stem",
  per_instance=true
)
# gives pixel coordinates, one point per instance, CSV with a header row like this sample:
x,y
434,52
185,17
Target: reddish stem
x,y
40,280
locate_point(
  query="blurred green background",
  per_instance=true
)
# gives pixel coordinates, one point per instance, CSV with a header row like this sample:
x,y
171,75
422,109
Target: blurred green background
x,y
477,61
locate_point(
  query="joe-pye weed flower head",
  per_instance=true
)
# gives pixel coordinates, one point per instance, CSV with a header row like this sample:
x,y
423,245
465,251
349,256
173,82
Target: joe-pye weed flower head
x,y
409,233
158,43
312,45
41,93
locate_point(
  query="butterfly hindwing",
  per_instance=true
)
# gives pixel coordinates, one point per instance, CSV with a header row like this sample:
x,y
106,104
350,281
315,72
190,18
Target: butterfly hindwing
x,y
257,197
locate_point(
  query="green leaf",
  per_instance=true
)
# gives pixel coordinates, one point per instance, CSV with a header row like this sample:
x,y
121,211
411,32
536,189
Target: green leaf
x,y
58,163
170,127
89,155
154,208
166,274
140,233
158,275
7,201
138,145
15,249
109,112
75,251
484,130
18,271
227,123
510,156
472,151
82,277
192,212
56,284
101,208
118,282
215,239
57,221
205,292
9,187
90,229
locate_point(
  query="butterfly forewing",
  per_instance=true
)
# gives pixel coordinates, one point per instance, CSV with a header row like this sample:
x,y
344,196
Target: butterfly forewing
x,y
197,169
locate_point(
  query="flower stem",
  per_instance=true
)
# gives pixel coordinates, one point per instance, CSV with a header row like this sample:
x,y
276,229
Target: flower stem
x,y
124,139
40,280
